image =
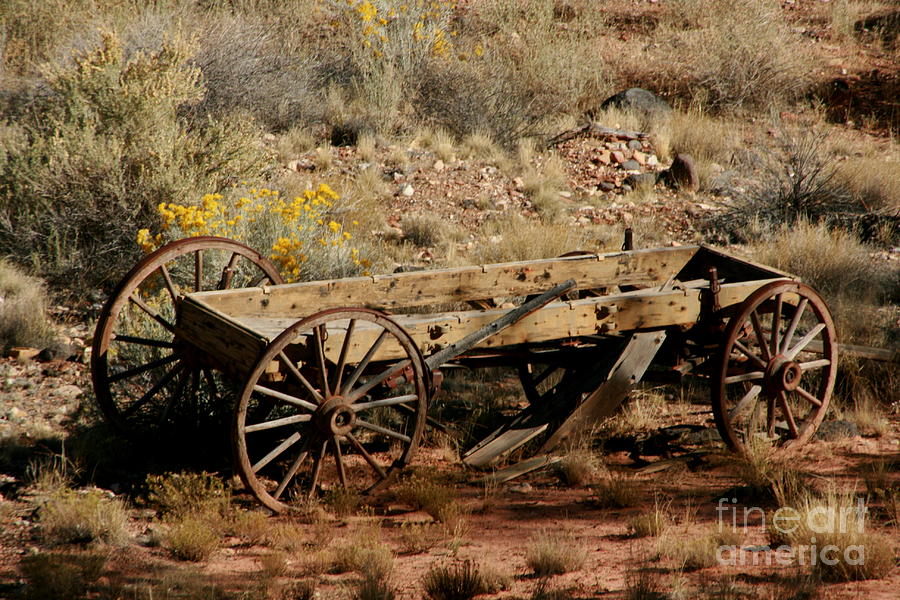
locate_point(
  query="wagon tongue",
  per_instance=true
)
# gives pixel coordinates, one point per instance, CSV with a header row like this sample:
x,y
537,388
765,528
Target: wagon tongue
x,y
512,317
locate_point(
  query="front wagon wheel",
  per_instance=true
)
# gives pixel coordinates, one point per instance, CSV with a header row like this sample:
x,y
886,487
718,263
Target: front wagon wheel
x,y
337,401
145,378
776,369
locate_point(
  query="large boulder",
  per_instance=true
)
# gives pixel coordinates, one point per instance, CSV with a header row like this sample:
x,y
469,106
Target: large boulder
x,y
682,175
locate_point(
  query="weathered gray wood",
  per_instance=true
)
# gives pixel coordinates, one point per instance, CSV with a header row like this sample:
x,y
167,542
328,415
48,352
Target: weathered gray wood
x,y
499,443
867,352
521,468
461,284
602,402
494,327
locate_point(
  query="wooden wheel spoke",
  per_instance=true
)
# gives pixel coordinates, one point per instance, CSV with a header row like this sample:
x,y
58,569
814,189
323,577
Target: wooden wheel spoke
x,y
276,452
770,417
135,299
744,402
339,461
351,381
317,467
173,400
319,342
750,354
378,379
776,324
342,360
292,369
292,471
262,426
155,364
814,364
383,431
804,341
792,326
788,415
809,397
163,381
285,397
750,376
361,406
760,336
227,272
167,278
198,270
141,341
368,457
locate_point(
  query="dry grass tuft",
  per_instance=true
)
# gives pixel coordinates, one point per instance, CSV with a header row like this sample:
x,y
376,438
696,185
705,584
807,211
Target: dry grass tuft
x,y
192,537
179,494
83,516
554,554
578,467
692,552
458,581
253,527
427,495
770,477
23,302
616,490
651,524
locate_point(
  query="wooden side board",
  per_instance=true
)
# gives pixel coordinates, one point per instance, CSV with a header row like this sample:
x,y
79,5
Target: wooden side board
x,y
462,284
239,339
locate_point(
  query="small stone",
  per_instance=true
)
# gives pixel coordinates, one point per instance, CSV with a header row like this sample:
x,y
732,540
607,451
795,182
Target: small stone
x,y
639,157
407,190
70,392
631,165
652,161
641,179
398,176
438,165
565,195
606,186
635,145
618,157
521,488
601,158
519,183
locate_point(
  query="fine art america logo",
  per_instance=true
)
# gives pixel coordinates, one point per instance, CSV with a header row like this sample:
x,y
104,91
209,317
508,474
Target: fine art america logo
x,y
788,523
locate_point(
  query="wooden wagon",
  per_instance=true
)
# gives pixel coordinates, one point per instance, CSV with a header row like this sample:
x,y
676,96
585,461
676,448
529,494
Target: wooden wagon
x,y
327,383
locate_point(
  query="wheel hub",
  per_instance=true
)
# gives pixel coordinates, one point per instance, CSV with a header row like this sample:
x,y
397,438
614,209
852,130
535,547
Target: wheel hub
x,y
335,417
782,375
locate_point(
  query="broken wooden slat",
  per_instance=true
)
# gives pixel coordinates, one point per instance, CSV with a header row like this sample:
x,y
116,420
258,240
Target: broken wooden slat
x,y
521,468
603,401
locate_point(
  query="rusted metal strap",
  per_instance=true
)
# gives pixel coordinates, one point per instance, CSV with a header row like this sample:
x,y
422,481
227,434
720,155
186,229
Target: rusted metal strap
x,y
514,316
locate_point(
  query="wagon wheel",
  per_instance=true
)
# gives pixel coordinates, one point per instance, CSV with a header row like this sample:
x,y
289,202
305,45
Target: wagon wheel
x,y
145,378
349,408
776,370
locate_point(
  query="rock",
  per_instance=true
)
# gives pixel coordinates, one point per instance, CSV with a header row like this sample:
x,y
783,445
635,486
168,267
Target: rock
x,y
631,165
407,190
438,165
639,157
638,100
519,183
635,145
618,157
69,392
602,158
831,431
606,186
682,174
23,354
565,195
521,488
641,180
652,161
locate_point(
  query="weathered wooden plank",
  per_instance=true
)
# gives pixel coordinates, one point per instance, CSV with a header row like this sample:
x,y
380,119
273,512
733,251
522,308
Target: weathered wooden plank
x,y
461,284
492,449
521,468
234,347
603,401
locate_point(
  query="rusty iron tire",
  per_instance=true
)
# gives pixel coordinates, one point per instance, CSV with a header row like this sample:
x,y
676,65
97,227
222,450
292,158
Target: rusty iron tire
x,y
163,374
312,430
780,342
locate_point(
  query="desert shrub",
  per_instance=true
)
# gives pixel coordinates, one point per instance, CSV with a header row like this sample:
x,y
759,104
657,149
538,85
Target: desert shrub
x,y
304,241
343,502
366,556
692,552
578,467
97,145
23,320
650,524
730,55
616,491
457,581
252,526
180,494
191,537
30,31
426,494
768,477
60,575
554,554
79,517
373,588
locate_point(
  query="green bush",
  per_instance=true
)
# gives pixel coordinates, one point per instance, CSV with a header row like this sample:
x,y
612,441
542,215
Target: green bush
x,y
96,145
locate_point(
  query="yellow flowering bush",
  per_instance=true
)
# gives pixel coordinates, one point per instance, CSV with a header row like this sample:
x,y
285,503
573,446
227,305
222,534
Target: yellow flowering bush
x,y
303,240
